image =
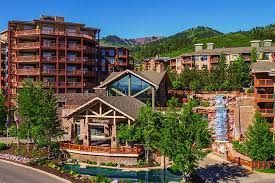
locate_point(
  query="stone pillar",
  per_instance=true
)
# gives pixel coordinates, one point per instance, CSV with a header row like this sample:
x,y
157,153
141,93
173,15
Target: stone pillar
x,y
83,132
153,98
114,137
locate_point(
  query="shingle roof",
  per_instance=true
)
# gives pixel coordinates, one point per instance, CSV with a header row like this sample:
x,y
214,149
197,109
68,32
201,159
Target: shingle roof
x,y
75,98
129,106
263,67
151,76
218,51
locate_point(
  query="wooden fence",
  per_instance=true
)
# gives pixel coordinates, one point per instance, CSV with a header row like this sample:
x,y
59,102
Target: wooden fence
x,y
99,149
250,163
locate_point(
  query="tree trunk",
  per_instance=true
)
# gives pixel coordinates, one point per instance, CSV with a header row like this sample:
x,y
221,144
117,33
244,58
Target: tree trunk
x,y
28,139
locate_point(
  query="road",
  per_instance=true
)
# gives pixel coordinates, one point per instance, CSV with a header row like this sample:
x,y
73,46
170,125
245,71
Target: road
x,y
10,173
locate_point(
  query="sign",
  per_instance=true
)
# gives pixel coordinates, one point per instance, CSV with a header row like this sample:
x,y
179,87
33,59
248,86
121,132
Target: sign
x,y
98,120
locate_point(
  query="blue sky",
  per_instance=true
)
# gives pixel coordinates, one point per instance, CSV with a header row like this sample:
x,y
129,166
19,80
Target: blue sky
x,y
138,18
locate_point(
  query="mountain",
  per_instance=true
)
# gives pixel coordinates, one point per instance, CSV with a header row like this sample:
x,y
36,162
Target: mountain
x,y
184,41
114,40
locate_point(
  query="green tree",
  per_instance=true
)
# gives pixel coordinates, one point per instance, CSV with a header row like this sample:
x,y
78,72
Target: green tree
x,y
146,130
254,55
38,115
259,143
184,135
3,112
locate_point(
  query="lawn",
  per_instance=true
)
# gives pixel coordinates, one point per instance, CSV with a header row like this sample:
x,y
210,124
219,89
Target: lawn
x,y
266,170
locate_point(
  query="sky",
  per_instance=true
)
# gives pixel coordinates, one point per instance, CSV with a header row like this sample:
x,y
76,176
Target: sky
x,y
139,18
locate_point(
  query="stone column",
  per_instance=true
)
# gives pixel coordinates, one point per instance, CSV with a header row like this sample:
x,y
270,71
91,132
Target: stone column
x,y
113,136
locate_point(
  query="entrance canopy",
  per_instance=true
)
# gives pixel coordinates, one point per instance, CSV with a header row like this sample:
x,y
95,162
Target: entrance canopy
x,y
109,107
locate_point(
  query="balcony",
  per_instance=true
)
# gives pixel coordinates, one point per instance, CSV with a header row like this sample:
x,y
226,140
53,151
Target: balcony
x,y
74,60
29,45
89,85
89,61
49,84
89,73
34,71
263,83
61,84
74,46
74,72
125,64
75,84
49,59
214,60
265,97
27,59
48,71
49,45
89,49
62,72
27,32
267,112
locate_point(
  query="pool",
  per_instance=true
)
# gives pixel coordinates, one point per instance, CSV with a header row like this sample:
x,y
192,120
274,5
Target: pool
x,y
159,175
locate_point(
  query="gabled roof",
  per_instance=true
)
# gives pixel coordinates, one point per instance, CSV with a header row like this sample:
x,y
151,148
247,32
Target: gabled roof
x,y
126,105
152,77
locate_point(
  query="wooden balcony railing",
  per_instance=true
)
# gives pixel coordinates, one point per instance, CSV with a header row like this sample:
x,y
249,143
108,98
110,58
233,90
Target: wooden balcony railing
x,y
48,71
89,49
74,60
74,46
27,32
49,45
34,58
53,32
121,63
99,149
27,45
61,84
265,97
62,71
74,72
89,85
267,111
264,82
49,58
49,84
34,71
74,84
89,61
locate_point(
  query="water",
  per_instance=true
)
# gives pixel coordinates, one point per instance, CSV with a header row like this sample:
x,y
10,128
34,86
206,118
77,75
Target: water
x,y
220,119
153,176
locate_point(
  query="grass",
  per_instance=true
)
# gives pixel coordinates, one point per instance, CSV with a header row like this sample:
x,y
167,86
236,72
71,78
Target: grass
x,y
266,170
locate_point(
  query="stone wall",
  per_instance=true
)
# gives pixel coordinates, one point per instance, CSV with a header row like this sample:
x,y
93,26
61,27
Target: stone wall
x,y
105,159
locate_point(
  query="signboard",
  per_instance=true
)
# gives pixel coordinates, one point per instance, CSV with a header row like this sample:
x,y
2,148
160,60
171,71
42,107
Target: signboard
x,y
98,120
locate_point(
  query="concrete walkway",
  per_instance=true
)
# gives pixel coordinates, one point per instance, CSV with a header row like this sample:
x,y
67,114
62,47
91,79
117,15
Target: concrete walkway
x,y
214,169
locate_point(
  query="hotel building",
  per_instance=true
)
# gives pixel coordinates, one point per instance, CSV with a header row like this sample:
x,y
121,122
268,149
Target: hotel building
x,y
207,58
62,55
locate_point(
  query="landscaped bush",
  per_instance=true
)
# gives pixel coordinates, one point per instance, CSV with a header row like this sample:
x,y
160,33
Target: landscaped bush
x,y
3,146
99,178
91,162
239,147
109,164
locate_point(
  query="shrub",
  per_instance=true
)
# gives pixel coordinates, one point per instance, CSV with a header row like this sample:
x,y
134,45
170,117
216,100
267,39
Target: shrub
x,y
109,164
241,148
99,178
3,146
91,162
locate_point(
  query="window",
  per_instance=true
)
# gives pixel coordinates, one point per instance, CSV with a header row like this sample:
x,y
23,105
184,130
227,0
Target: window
x,y
111,53
103,53
97,131
204,58
103,61
77,129
111,61
197,58
103,69
266,56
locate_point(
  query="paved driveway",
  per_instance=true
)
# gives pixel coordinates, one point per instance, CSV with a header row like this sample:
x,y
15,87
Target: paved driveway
x,y
10,173
214,169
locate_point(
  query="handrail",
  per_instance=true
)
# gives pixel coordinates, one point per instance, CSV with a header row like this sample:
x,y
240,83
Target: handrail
x,y
27,58
263,82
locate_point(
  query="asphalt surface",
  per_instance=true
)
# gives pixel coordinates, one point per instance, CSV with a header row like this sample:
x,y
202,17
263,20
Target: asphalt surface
x,y
10,173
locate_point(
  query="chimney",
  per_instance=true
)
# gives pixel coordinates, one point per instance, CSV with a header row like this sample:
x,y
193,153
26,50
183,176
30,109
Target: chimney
x,y
255,43
267,42
210,46
198,47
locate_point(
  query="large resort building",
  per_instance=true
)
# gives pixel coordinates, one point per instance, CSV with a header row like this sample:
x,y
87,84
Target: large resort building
x,y
264,84
63,55
209,57
114,58
93,119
